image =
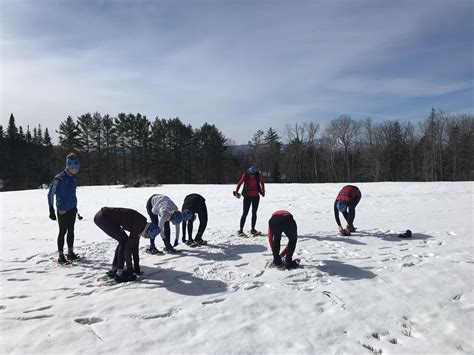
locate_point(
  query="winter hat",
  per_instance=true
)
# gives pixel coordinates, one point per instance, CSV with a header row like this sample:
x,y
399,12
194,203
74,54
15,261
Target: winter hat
x,y
341,206
176,218
72,162
152,231
187,214
252,169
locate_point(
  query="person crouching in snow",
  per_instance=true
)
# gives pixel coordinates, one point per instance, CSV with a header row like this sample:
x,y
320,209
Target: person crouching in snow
x,y
346,202
253,188
64,187
114,222
194,204
282,222
162,211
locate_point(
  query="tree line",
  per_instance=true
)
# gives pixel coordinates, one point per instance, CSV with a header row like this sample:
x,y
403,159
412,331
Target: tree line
x,y
130,148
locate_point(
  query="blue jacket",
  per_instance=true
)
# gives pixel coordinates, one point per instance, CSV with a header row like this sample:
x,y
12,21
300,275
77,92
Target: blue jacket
x,y
64,187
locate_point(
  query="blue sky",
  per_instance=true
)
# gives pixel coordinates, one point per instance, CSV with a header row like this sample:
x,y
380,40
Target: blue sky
x,y
241,65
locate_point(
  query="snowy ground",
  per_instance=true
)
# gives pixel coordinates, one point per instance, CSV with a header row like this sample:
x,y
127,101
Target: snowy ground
x,y
368,293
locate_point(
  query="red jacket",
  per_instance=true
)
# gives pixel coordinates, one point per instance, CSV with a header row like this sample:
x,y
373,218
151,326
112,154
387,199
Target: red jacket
x,y
348,193
251,188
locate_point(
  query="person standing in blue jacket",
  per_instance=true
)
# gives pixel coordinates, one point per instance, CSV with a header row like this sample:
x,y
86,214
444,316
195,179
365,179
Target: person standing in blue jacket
x,y
64,188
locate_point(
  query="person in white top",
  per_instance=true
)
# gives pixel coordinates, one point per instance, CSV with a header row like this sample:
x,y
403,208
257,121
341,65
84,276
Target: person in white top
x,y
162,211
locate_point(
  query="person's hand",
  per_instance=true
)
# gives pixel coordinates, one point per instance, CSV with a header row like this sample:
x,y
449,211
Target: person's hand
x,y
79,217
263,193
236,194
52,214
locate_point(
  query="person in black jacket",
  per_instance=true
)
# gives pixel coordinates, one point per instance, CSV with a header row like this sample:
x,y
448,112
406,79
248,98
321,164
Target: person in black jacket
x,y
194,204
114,222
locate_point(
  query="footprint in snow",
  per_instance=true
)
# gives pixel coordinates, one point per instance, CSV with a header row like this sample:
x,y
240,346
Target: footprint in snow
x,y
88,321
216,300
38,309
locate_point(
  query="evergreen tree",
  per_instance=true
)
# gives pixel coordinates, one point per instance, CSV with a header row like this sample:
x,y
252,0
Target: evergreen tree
x,y
69,135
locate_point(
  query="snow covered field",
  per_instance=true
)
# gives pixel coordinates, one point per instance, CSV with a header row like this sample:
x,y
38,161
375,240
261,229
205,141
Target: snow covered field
x,y
368,293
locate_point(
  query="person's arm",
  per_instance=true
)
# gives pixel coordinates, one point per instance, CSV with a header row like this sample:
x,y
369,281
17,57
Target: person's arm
x,y
176,239
262,184
132,243
336,215
51,193
270,238
240,182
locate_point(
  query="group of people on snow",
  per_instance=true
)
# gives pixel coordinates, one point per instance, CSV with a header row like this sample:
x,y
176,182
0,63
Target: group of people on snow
x,y
162,211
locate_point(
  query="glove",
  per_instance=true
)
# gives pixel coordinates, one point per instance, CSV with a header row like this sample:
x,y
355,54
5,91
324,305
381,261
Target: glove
x,y
236,194
263,193
52,214
79,217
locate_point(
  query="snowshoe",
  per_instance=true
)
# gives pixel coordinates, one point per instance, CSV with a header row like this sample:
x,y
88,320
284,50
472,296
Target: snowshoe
x,y
62,260
200,241
293,264
351,229
111,273
344,232
125,276
242,234
71,256
278,264
153,251
255,233
171,250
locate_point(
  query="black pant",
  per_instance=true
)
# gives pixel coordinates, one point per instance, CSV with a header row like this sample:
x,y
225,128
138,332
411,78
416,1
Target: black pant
x,y
283,224
202,225
66,223
115,231
254,201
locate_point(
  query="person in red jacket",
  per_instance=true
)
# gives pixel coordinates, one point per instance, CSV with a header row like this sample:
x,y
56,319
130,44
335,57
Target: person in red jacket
x,y
114,222
282,222
253,188
346,202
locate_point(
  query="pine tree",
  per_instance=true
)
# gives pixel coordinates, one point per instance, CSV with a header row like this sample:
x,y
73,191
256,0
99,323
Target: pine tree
x,y
69,135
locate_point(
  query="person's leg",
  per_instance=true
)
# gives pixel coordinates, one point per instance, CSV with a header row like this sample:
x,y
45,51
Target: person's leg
x,y
167,239
246,208
190,229
71,220
275,225
291,232
62,223
352,212
255,202
115,231
153,218
202,222
136,260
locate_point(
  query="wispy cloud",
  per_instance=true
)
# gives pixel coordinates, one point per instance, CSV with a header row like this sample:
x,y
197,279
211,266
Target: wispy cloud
x,y
259,63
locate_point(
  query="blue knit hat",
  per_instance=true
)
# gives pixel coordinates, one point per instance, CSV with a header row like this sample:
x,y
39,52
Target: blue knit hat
x,y
152,231
252,169
176,218
72,162
342,206
187,214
